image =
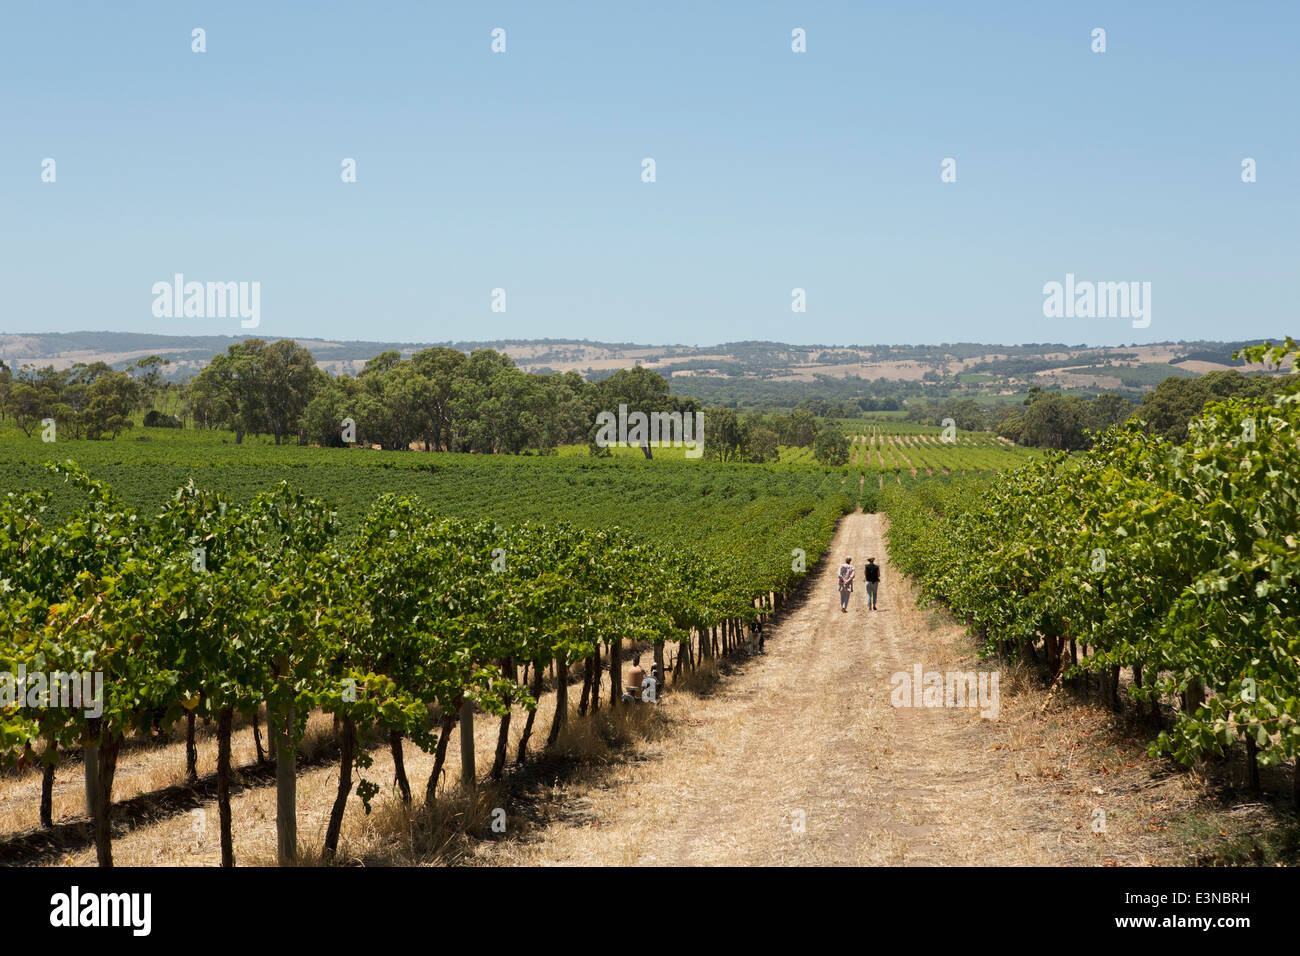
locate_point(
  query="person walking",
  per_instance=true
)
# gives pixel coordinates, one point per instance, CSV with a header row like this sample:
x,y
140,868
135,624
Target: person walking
x,y
847,571
871,574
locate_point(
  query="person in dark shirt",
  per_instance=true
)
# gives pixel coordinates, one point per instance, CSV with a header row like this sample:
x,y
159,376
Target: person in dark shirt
x,y
871,574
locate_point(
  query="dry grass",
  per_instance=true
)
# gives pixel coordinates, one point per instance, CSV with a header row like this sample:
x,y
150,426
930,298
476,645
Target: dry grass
x,y
463,824
701,681
144,766
392,834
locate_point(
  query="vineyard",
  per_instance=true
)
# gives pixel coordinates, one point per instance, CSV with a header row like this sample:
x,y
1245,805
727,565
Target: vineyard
x,y
629,492
401,596
896,448
392,613
624,490
902,449
1169,571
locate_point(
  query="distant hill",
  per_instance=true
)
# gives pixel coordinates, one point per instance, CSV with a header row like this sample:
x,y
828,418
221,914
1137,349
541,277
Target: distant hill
x,y
742,373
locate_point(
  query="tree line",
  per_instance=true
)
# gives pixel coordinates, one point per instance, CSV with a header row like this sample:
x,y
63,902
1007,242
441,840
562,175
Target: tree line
x,y
438,400
84,401
757,438
1055,420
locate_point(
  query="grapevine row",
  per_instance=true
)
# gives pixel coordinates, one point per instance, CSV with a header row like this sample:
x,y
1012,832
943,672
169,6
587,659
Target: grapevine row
x,y
1180,563
215,609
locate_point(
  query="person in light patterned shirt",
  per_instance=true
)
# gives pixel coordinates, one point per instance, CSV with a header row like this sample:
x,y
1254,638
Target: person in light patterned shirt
x,y
847,571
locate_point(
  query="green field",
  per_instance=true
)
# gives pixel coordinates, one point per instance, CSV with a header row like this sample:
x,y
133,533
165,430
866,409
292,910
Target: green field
x,y
902,448
146,465
715,509
888,445
1146,375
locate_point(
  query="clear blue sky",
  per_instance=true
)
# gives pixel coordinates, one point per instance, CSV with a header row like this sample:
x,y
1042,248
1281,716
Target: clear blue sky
x,y
775,170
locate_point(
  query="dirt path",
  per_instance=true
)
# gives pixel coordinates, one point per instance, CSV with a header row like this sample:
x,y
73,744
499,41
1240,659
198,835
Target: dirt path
x,y
801,758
